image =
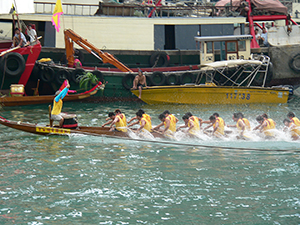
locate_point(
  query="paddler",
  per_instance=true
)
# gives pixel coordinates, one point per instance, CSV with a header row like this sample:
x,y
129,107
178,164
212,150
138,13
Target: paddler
x,y
293,119
242,124
135,118
169,123
218,126
271,123
196,119
144,120
292,129
193,125
119,121
56,113
111,117
171,116
265,127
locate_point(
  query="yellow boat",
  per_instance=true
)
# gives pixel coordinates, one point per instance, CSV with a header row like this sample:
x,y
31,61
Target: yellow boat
x,y
210,94
241,78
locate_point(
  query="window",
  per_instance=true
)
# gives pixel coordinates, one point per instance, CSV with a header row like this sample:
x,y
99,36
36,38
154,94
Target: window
x,y
242,45
231,47
209,47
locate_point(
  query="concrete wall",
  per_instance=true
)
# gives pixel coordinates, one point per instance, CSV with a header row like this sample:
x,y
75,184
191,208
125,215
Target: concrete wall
x,y
123,33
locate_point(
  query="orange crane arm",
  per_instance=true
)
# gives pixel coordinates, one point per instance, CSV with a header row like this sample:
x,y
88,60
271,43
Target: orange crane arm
x,y
71,36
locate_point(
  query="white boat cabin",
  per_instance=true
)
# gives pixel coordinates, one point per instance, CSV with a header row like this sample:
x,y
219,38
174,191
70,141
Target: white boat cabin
x,y
219,48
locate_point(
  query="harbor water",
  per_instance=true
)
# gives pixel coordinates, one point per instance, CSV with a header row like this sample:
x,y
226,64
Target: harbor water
x,y
98,180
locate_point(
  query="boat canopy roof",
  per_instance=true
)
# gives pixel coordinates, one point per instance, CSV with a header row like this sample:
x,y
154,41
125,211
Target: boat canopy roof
x,y
231,63
224,38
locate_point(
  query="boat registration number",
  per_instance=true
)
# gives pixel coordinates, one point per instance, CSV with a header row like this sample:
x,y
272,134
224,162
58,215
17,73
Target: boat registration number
x,y
238,96
51,130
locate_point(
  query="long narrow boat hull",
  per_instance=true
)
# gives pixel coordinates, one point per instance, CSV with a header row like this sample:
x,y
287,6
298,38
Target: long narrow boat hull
x,y
33,100
201,94
46,130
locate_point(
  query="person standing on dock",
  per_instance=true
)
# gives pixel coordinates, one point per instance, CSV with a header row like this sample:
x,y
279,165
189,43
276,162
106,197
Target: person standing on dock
x,y
144,120
56,113
139,82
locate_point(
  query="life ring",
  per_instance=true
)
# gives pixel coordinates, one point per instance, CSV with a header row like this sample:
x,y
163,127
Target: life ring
x,y
157,78
75,74
162,59
13,63
294,63
127,81
172,79
99,75
61,76
185,76
46,74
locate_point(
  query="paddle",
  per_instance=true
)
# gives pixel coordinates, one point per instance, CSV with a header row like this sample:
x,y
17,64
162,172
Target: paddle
x,y
167,135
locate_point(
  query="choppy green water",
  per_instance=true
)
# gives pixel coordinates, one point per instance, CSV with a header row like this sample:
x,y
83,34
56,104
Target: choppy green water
x,y
94,180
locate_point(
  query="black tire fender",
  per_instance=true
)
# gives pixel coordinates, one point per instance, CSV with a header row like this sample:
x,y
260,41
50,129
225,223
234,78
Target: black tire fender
x,y
127,81
46,74
172,79
156,56
12,58
75,74
62,75
187,75
99,75
157,75
294,63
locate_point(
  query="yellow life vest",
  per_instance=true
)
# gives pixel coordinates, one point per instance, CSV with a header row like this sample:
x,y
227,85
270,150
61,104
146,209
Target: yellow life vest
x,y
220,129
172,120
57,106
247,124
296,121
121,123
196,127
270,126
148,125
295,132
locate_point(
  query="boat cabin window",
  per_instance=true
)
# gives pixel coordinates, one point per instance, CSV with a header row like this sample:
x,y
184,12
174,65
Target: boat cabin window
x,y
231,47
209,47
242,45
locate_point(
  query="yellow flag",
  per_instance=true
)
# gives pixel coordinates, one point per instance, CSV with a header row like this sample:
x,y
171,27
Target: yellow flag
x,y
56,15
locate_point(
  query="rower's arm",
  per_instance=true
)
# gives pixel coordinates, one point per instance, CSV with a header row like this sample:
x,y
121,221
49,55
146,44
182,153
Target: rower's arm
x,y
143,123
114,121
262,126
176,119
257,127
109,122
191,126
243,127
167,125
216,127
208,126
182,126
130,125
134,118
158,126
232,126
